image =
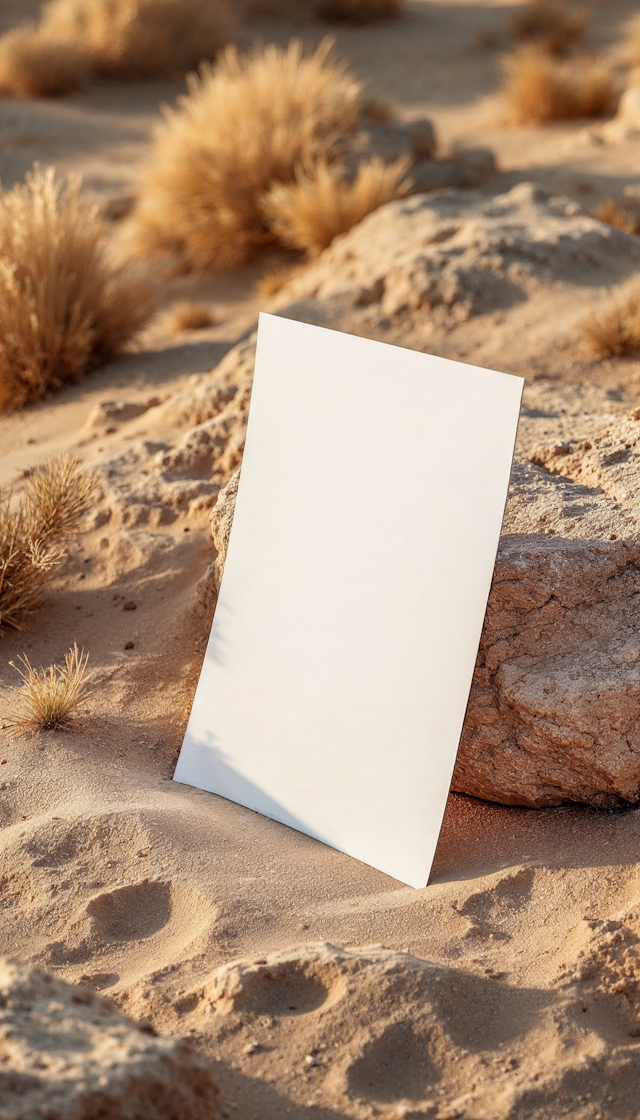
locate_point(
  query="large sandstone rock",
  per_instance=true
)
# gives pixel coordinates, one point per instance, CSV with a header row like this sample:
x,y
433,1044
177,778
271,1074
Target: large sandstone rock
x,y
554,710
67,1054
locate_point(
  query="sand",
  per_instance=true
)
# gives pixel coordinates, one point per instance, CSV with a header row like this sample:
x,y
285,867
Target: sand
x,y
113,875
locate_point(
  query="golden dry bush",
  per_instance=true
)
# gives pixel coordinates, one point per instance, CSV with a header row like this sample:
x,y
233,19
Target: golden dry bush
x,y
35,64
188,315
34,532
321,204
359,11
48,699
141,38
539,88
275,279
613,214
549,23
614,329
63,306
245,124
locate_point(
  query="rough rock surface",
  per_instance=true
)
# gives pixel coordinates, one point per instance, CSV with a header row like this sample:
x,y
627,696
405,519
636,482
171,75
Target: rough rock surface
x,y
554,710
385,1029
432,261
221,521
67,1053
152,481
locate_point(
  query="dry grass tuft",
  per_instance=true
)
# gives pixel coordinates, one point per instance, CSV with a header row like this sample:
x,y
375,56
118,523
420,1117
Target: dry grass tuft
x,y
540,88
141,38
615,215
190,316
34,532
49,698
275,279
320,204
63,307
549,23
35,64
244,125
614,330
359,11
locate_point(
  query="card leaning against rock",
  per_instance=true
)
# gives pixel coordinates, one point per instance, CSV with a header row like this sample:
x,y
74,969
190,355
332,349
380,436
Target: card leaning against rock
x,y
335,682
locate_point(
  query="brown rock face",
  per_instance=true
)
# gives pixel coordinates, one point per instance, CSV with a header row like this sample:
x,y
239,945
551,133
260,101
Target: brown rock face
x,y
67,1054
554,710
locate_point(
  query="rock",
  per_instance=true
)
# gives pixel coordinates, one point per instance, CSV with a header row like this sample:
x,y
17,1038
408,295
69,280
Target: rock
x,y
107,413
221,521
464,169
392,139
67,1054
554,709
436,260
626,123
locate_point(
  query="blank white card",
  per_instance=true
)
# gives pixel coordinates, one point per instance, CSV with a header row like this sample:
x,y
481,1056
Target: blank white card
x,y
337,674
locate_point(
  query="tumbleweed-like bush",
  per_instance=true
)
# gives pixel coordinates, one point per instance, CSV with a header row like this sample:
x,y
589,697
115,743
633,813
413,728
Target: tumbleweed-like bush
x,y
308,213
245,124
34,533
63,306
540,88
33,63
189,315
613,214
550,23
359,11
141,38
48,699
614,329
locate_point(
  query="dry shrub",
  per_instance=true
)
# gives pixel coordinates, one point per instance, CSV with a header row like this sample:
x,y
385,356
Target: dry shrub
x,y
614,330
141,38
540,88
244,125
359,11
35,531
35,64
49,698
275,279
63,307
615,215
320,204
552,25
187,315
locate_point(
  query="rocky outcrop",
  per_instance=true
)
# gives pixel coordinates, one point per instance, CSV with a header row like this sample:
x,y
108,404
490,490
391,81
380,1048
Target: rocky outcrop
x,y
67,1054
432,261
554,710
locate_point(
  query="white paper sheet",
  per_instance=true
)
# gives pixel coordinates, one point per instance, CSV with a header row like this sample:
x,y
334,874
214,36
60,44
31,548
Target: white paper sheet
x,y
337,674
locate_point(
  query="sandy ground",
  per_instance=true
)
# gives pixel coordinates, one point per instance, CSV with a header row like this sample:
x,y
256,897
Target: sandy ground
x,y
112,874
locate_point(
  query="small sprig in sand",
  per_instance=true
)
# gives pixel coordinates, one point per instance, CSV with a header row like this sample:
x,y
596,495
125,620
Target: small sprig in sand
x,y
48,699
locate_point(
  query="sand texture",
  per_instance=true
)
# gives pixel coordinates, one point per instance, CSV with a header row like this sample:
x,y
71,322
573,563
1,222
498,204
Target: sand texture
x,y
307,984
67,1052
